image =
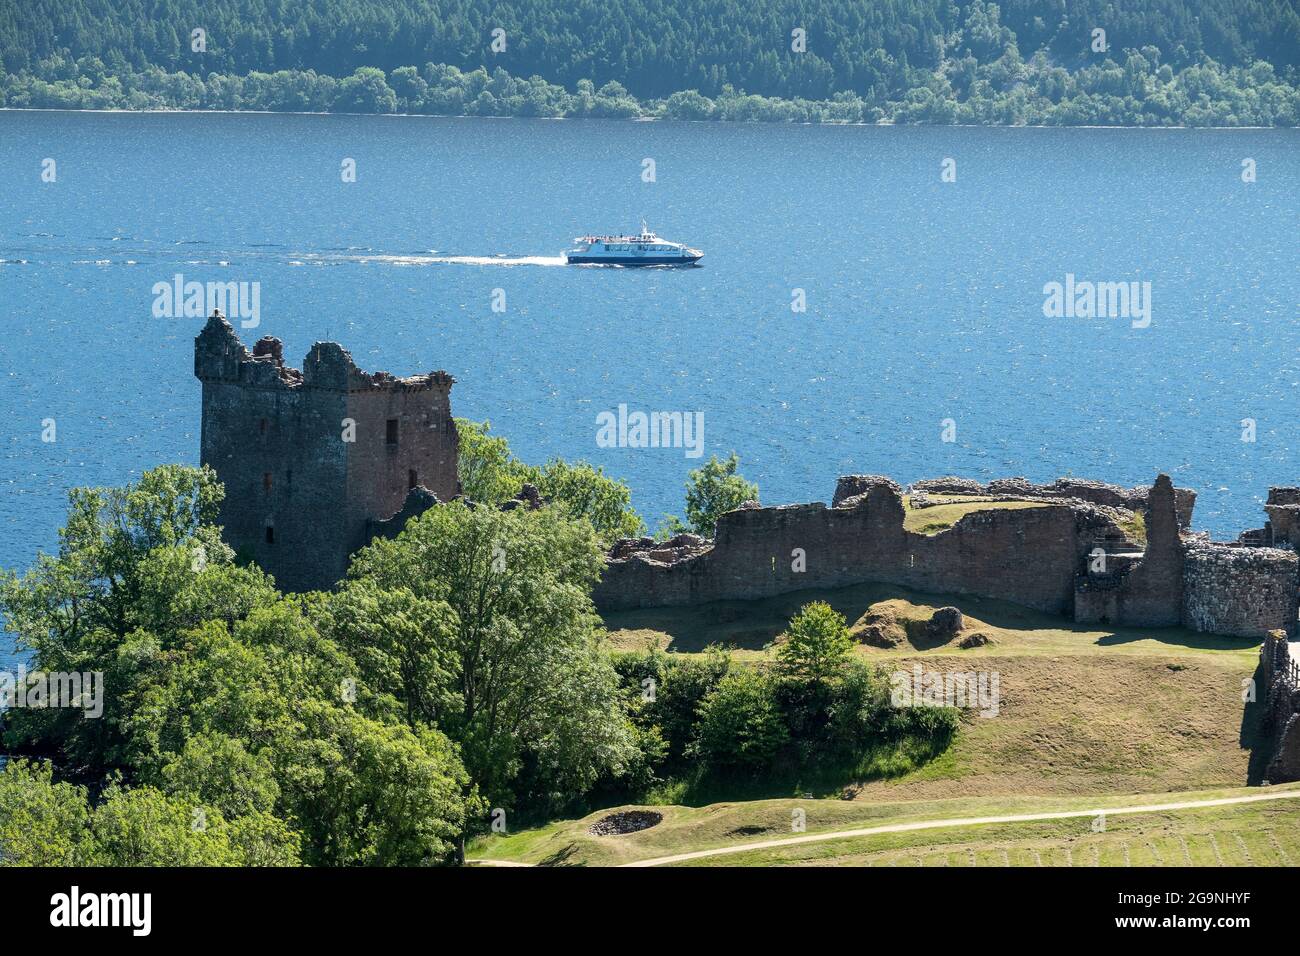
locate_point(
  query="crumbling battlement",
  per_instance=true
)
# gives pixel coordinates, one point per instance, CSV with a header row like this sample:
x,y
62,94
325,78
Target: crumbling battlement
x,y
1283,526
311,458
1077,489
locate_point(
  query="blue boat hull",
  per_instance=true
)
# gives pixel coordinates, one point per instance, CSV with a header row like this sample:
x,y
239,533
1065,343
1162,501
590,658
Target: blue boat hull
x,y
638,261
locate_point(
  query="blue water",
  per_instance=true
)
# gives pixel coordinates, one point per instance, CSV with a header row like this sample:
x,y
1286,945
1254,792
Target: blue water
x,y
924,298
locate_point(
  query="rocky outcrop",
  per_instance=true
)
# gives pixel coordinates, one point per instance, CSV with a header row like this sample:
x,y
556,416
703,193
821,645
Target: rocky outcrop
x,y
854,486
944,624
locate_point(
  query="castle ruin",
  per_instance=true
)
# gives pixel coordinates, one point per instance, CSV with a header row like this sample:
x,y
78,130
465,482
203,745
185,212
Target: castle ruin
x,y
313,460
1066,555
318,462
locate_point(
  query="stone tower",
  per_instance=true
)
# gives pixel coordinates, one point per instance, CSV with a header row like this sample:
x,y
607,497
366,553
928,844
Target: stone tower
x,y
311,458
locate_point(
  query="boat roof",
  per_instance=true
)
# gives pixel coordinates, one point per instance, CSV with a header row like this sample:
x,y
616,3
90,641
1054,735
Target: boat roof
x,y
643,237
647,235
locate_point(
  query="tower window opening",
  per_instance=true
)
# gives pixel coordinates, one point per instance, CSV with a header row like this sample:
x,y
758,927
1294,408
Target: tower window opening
x,y
270,534
412,479
261,427
390,436
266,481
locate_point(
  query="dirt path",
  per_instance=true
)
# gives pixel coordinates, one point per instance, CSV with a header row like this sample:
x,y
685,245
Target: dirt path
x,y
936,825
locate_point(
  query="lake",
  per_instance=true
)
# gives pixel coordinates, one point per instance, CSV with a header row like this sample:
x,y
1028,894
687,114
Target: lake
x,y
924,298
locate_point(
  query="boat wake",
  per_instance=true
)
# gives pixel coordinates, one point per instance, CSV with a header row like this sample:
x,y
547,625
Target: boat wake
x,y
76,254
501,260
435,259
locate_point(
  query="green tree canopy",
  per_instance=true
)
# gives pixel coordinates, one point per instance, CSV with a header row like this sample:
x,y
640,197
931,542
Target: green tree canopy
x,y
489,473
220,694
815,645
711,491
480,621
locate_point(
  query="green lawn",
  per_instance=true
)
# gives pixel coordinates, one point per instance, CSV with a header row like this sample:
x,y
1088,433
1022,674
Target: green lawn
x,y
935,518
1250,835
1089,717
1258,833
1084,709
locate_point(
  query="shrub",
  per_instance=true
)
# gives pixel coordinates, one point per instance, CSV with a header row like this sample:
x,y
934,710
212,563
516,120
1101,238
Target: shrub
x,y
741,726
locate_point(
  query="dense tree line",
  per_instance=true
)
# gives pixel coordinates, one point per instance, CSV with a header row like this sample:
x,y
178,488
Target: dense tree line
x,y
653,47
1136,92
912,61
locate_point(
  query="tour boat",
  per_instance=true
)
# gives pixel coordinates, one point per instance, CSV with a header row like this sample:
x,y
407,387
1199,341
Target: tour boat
x,y
646,249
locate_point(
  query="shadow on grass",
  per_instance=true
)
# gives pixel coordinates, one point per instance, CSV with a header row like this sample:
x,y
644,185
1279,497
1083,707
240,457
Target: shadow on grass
x,y
1178,637
1254,735
882,762
562,857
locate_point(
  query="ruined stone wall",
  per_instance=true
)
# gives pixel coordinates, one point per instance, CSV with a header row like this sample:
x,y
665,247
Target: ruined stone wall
x,y
1281,699
302,484
381,473
1152,594
1038,557
1283,510
1029,556
1248,592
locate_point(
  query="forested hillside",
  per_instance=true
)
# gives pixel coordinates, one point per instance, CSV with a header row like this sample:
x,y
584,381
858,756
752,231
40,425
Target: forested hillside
x,y
875,52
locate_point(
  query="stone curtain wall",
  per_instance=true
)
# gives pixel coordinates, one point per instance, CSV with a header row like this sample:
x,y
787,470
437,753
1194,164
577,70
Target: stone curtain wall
x,y
1242,591
1036,557
275,437
1028,556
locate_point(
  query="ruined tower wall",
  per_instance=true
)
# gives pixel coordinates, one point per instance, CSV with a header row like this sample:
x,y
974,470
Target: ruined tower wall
x,y
310,455
1152,593
269,449
380,472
